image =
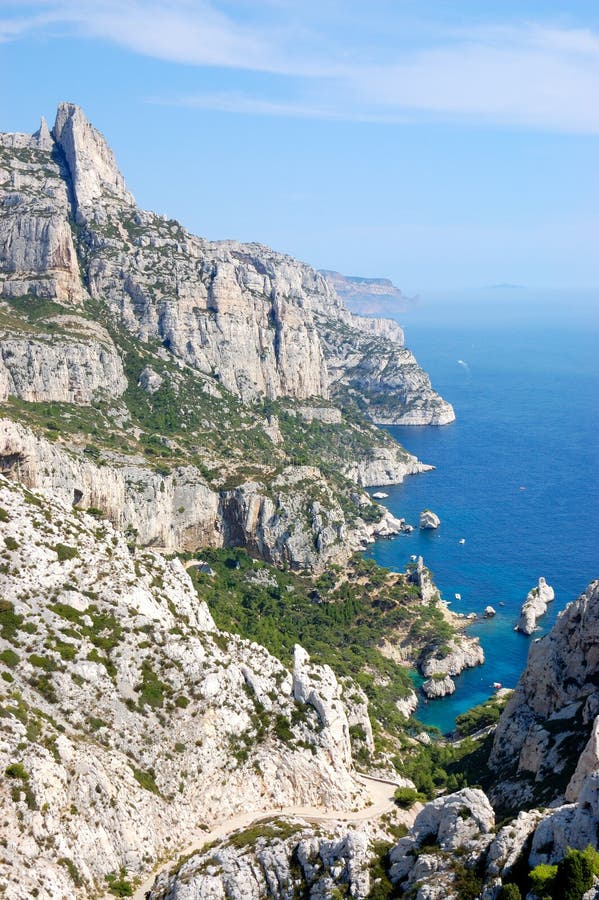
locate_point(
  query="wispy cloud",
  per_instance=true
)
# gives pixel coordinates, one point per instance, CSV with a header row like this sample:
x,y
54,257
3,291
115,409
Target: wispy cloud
x,y
528,75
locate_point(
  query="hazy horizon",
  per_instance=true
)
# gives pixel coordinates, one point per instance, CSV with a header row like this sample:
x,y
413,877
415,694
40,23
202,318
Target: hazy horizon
x,y
440,147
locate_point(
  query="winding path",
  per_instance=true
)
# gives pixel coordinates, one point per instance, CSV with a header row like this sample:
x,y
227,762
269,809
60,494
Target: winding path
x,y
381,796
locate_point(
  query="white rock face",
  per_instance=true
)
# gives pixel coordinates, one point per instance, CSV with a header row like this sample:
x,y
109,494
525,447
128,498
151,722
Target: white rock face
x,y
79,367
135,720
407,705
461,821
37,252
429,519
509,843
572,825
588,764
265,867
434,688
179,511
535,606
462,653
318,686
554,701
91,162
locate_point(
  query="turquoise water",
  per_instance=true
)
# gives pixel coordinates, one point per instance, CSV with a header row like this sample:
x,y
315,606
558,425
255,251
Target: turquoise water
x,y
517,477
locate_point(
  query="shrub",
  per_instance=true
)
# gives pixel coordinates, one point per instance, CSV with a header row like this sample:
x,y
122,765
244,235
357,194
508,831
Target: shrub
x,y
118,885
9,658
64,552
509,892
574,876
406,797
17,770
541,879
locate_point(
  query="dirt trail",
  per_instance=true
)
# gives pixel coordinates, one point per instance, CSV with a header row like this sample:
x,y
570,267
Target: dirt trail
x,y
381,796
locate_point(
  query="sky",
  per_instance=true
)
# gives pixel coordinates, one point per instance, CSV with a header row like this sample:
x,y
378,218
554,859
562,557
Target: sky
x,y
443,145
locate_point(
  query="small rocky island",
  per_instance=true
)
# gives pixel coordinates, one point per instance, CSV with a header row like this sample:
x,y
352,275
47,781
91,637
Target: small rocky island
x,y
534,607
429,519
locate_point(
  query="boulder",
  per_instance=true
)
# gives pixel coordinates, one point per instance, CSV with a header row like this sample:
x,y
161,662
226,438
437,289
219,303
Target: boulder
x,y
429,519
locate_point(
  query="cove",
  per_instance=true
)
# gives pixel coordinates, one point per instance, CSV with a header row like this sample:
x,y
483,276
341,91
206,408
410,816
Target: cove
x,y
517,478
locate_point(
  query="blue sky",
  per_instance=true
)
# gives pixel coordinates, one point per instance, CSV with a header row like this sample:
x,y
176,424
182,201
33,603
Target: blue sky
x,y
441,144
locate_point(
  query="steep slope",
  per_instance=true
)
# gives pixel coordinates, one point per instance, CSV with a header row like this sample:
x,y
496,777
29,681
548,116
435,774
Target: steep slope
x,y
184,384
548,720
453,849
242,314
127,717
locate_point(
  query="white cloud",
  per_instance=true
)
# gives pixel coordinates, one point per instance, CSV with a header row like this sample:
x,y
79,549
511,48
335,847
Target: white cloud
x,y
531,75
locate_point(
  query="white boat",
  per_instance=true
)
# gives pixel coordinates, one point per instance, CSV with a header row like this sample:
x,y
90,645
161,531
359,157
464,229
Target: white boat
x,y
497,685
380,495
458,596
462,541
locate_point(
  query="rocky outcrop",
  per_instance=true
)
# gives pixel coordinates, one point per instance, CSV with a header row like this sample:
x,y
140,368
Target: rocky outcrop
x,y
407,705
295,521
90,161
259,322
288,859
458,653
80,365
573,825
421,577
439,686
318,686
553,707
429,519
128,719
534,606
384,465
489,612
459,822
370,297
37,252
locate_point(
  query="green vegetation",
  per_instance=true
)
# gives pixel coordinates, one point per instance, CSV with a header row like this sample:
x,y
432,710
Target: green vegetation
x,y
9,657
406,797
275,828
480,717
447,766
341,618
10,622
151,690
64,552
118,885
509,892
146,780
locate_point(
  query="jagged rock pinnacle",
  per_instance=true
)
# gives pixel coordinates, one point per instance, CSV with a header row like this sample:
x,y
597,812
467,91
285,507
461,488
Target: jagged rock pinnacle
x,y
91,162
42,136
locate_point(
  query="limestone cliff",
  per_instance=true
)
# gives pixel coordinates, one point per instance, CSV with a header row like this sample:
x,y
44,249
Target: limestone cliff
x,y
260,322
209,369
294,520
547,721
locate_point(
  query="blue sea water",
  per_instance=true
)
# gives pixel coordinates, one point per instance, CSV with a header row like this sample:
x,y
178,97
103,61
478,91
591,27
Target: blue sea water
x,y
517,476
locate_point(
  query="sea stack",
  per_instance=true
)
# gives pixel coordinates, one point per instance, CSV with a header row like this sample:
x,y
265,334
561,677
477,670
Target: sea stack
x,y
534,606
429,519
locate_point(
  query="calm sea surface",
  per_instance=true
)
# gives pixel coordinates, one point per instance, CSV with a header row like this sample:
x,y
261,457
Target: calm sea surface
x,y
517,477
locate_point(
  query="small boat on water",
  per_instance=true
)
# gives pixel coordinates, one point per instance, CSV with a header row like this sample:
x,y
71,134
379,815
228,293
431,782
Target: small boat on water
x,y
458,596
497,685
380,495
462,541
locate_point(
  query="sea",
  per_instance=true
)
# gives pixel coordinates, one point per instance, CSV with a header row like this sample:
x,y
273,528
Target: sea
x,y
516,478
